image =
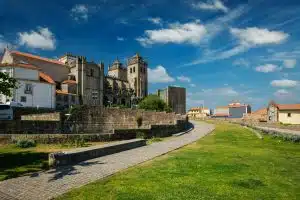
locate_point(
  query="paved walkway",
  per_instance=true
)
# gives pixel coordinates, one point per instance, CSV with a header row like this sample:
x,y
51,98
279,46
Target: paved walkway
x,y
280,130
52,183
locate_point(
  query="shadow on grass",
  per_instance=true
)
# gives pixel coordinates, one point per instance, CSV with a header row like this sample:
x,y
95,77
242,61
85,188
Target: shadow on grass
x,y
14,164
249,183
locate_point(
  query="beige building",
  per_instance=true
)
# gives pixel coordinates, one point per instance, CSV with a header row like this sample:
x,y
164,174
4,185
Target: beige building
x,y
84,79
198,112
175,97
283,113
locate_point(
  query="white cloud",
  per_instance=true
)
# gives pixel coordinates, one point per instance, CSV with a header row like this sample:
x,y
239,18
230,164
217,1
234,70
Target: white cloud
x,y
214,5
159,75
80,12
241,63
120,38
290,63
192,85
281,92
256,36
191,33
266,68
224,91
184,79
43,38
284,83
155,20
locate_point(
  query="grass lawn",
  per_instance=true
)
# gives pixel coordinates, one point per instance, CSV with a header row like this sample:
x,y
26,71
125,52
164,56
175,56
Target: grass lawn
x,y
16,161
230,163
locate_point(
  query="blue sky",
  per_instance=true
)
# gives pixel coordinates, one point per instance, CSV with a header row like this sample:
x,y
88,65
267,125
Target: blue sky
x,y
220,50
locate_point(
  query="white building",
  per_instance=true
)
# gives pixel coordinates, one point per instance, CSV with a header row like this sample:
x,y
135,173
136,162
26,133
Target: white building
x,y
35,88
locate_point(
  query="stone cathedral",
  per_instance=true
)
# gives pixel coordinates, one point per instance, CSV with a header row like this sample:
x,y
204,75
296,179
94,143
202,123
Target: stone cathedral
x,y
124,84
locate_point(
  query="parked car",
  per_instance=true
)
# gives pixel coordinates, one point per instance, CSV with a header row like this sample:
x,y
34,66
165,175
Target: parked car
x,y
6,112
14,104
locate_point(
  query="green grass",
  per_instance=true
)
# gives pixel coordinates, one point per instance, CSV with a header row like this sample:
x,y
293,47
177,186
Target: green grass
x,y
230,163
15,161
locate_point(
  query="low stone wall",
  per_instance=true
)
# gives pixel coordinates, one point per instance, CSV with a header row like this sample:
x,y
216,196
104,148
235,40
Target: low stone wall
x,y
42,117
82,154
92,119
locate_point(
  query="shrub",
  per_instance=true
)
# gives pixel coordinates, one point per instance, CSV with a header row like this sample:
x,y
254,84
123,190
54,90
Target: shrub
x,y
25,143
139,120
141,135
154,139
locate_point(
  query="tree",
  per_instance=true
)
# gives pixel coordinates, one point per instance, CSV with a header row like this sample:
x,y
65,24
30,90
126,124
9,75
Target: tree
x,y
6,84
153,102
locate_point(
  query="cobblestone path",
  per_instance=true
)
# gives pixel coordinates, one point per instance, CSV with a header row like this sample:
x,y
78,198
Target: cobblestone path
x,y
52,183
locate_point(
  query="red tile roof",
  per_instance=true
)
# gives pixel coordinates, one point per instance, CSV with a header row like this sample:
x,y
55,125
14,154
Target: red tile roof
x,y
288,106
63,92
69,82
30,56
46,78
262,111
222,107
21,65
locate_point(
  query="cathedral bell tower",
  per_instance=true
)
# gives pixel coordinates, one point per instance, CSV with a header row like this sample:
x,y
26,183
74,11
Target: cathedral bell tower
x,y
137,74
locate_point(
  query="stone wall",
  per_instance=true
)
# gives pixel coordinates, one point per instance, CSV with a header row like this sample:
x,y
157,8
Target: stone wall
x,y
106,120
96,120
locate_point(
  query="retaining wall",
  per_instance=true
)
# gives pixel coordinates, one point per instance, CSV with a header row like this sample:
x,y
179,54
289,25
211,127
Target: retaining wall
x,y
82,154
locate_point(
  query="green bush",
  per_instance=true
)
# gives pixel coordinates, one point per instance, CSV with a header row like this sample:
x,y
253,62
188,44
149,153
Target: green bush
x,y
154,103
141,135
139,120
25,143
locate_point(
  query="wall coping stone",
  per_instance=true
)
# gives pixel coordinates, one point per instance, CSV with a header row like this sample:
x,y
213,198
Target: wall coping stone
x,y
86,153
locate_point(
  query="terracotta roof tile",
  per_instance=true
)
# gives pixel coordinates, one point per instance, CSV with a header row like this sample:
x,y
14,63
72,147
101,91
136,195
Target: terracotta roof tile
x,y
46,78
69,82
222,107
262,111
21,65
30,56
63,92
288,106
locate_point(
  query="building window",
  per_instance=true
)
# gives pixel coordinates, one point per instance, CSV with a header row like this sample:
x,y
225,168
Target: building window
x,y
58,98
66,98
133,69
130,70
73,99
92,72
141,70
289,114
23,99
28,88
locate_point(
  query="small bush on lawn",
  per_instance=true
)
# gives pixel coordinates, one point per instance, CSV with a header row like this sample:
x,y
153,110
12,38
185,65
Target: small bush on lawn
x,y
25,143
154,139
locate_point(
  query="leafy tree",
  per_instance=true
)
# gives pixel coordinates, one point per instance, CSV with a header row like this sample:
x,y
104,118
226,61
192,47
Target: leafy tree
x,y
6,84
153,102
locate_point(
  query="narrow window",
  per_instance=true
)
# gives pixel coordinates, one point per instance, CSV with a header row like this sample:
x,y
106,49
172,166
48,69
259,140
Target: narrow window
x,y
66,98
289,114
133,69
130,70
23,99
92,72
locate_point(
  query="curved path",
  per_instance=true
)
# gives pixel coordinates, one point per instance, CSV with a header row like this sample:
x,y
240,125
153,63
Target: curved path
x,y
52,183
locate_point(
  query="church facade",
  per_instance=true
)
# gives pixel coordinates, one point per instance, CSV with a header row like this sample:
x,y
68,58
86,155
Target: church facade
x,y
78,81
